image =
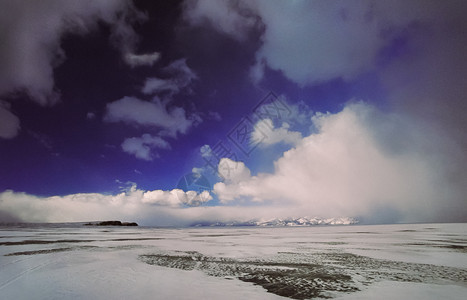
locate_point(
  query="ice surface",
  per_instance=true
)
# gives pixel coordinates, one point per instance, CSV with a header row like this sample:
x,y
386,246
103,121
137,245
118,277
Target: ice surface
x,y
418,261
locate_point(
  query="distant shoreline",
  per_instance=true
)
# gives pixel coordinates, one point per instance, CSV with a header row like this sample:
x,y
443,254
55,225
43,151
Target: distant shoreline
x,y
111,223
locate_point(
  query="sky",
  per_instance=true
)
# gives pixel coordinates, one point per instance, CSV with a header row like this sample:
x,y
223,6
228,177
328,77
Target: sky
x,y
176,112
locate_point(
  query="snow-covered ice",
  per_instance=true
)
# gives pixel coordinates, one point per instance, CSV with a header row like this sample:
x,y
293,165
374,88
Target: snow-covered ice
x,y
71,261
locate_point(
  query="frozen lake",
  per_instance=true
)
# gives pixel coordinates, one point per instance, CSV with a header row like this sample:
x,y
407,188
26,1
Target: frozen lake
x,y
415,261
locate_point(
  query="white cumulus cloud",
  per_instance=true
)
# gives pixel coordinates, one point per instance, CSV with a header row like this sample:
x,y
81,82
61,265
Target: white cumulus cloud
x,y
141,147
229,17
176,197
205,151
232,171
132,110
136,60
265,132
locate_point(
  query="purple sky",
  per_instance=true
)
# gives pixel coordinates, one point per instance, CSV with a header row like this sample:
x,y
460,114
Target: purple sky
x,y
175,112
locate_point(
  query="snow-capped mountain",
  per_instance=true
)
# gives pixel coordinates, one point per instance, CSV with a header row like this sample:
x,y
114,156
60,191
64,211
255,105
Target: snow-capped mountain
x,y
305,221
279,222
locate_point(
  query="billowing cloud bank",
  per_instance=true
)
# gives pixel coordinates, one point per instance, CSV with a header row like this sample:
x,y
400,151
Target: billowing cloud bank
x,y
360,163
149,207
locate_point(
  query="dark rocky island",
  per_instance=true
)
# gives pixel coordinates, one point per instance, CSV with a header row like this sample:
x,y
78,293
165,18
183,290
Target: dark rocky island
x,y
112,223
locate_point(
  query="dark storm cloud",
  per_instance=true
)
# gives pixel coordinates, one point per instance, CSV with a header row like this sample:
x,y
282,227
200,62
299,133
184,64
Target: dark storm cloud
x,y
416,48
31,32
180,79
9,123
